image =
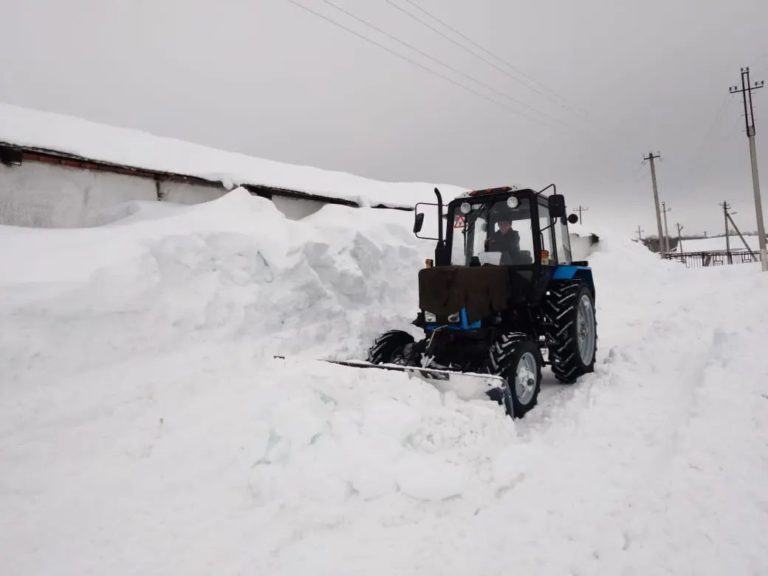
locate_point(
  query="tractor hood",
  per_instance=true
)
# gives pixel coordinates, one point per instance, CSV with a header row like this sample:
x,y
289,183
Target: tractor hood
x,y
482,290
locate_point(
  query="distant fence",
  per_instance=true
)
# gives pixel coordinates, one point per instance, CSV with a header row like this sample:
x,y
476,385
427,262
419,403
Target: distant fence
x,y
714,258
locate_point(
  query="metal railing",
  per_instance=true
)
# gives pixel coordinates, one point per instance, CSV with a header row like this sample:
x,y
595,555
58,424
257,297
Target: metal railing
x,y
714,257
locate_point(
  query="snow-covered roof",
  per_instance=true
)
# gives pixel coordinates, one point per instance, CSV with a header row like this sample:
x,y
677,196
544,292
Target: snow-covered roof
x,y
46,131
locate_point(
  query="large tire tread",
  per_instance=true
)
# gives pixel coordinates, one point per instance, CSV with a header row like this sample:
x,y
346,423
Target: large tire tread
x,y
503,357
560,308
388,347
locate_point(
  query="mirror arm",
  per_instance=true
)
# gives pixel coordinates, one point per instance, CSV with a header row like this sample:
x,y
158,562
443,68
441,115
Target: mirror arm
x,y
554,189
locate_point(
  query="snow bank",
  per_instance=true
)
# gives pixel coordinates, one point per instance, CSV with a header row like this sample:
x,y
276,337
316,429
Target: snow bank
x,y
235,267
146,428
718,243
26,127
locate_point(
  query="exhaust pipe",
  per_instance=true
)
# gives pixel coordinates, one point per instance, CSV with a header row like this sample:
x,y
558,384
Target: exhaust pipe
x,y
442,258
439,217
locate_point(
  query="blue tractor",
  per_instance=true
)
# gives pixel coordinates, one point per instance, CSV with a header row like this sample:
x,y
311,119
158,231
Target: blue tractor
x,y
501,299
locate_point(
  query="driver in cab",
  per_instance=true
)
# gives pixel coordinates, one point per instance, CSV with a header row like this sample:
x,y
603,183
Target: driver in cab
x,y
506,240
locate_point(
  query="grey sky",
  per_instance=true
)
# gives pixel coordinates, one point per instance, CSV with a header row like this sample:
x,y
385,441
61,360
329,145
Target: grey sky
x,y
269,79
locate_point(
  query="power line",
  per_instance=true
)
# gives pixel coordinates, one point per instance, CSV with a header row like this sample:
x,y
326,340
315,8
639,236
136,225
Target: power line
x,y
706,141
638,172
537,86
704,159
414,62
729,218
441,63
462,46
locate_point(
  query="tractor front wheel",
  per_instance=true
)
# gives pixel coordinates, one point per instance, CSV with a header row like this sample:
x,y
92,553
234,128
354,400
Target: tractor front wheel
x,y
388,348
516,358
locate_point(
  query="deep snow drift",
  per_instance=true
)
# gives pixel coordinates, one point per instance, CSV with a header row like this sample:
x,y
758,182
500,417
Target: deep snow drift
x,y
145,427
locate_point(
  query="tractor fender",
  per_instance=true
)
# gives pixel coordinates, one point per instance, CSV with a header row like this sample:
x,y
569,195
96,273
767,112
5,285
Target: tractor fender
x,y
571,272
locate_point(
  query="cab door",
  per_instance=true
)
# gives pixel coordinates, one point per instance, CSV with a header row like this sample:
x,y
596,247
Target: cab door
x,y
562,242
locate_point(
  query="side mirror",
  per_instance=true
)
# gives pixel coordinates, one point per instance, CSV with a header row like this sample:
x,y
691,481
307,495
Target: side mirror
x,y
573,218
557,206
418,222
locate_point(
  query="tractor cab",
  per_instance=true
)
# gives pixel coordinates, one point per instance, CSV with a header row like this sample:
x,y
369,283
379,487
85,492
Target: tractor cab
x,y
502,227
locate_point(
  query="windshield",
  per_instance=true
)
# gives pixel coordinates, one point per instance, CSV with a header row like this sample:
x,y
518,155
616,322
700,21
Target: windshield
x,y
492,233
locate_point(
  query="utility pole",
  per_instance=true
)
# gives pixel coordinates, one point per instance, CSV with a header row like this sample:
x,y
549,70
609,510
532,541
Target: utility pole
x,y
726,207
579,210
736,228
679,238
664,209
651,157
639,233
749,117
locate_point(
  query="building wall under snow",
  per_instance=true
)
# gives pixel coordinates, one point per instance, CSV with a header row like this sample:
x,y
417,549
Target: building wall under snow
x,y
189,193
45,195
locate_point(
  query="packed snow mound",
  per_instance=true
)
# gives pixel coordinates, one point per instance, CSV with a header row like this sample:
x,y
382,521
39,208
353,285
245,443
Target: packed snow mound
x,y
126,147
146,426
131,211
231,268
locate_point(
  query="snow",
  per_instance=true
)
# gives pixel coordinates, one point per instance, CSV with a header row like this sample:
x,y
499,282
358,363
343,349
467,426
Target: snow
x,y
67,134
718,243
146,428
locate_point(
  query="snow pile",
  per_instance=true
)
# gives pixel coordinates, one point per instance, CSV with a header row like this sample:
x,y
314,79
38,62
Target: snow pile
x,y
146,428
584,242
233,268
719,243
122,146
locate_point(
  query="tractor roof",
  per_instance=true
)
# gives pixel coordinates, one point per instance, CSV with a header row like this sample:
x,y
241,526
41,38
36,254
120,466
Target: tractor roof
x,y
494,191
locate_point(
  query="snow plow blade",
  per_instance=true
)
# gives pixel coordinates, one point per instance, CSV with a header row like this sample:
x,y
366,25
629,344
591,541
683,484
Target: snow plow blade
x,y
466,385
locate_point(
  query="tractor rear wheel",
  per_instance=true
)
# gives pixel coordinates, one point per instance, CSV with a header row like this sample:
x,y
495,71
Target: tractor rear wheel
x,y
388,348
570,308
516,358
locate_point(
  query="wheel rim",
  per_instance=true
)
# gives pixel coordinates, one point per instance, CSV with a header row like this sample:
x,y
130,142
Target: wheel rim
x,y
585,329
525,378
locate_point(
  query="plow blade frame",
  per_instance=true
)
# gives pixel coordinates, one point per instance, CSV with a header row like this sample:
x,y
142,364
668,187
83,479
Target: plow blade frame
x,y
466,385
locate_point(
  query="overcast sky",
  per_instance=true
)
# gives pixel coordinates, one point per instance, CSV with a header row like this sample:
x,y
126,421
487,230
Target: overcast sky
x,y
581,90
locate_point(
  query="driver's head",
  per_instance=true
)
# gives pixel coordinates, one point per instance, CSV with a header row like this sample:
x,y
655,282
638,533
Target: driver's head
x,y
504,225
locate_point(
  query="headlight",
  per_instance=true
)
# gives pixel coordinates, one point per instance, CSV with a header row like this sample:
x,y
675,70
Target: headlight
x,y
429,317
455,317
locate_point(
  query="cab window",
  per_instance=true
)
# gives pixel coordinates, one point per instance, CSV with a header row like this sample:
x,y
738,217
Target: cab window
x,y
562,242
546,231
